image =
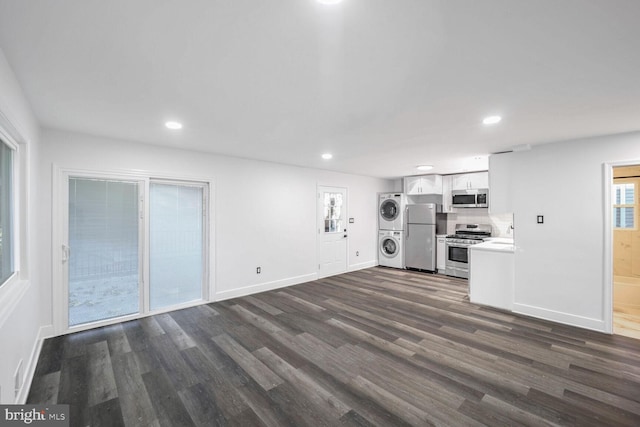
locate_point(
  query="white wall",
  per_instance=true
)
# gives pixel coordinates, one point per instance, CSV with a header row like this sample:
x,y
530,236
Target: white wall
x,y
265,213
559,265
20,301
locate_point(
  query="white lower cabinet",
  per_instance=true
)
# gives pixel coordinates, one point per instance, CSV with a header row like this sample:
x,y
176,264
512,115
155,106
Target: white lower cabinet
x,y
491,274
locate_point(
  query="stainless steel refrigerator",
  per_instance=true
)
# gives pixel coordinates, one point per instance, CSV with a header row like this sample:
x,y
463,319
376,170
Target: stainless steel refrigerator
x,y
420,236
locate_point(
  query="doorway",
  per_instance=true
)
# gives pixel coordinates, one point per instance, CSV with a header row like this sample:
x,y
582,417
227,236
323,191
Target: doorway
x,y
131,246
332,230
625,205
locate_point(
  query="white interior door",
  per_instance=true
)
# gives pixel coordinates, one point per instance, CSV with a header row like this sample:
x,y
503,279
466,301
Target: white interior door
x,y
332,230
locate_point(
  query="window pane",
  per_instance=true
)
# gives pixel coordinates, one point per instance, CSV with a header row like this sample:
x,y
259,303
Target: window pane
x,y
176,251
6,212
333,212
104,258
623,194
623,217
629,196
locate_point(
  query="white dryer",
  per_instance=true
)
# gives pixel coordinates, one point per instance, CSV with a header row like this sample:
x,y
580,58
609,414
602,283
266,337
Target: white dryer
x,y
391,248
391,211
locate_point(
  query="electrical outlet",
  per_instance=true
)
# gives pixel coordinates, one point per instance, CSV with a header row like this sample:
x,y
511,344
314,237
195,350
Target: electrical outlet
x,y
258,270
357,253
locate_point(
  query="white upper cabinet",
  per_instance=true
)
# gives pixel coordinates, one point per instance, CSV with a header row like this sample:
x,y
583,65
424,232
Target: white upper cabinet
x,y
424,184
468,181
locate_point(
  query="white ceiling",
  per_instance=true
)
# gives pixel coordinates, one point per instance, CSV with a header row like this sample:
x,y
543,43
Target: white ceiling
x,y
384,85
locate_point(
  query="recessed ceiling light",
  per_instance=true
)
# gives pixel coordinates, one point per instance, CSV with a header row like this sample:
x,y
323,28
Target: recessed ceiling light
x,y
424,167
329,1
327,156
173,125
491,120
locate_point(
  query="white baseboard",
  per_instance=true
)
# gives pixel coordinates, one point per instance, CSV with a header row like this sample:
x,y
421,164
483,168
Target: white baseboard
x,y
363,265
561,317
43,333
263,287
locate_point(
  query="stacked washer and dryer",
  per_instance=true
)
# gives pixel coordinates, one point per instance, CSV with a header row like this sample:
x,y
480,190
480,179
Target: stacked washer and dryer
x,y
391,211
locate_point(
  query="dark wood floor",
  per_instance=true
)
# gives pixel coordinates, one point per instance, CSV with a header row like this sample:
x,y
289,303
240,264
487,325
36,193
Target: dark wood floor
x,y
375,347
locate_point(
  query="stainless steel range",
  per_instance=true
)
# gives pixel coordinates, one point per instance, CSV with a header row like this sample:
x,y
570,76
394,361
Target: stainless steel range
x,y
457,247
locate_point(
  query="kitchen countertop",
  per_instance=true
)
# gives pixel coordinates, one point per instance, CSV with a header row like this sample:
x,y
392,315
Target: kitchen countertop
x,y
496,244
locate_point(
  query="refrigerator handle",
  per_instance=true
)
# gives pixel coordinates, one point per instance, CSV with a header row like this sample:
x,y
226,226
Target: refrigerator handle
x,y
406,222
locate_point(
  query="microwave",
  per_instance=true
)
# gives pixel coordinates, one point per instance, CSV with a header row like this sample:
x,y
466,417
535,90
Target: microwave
x,y
475,198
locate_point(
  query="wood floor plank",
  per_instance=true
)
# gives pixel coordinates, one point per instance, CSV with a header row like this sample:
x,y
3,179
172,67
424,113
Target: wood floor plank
x,y
137,336
51,356
222,391
317,327
45,390
254,367
303,383
117,339
513,413
107,414
304,303
135,403
170,411
263,306
407,412
178,371
177,334
408,384
202,406
73,389
151,326
467,367
101,382
364,408
602,411
268,412
372,339
374,347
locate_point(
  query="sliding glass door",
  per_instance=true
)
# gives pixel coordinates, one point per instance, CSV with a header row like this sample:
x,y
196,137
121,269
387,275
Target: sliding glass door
x,y
133,247
176,243
104,249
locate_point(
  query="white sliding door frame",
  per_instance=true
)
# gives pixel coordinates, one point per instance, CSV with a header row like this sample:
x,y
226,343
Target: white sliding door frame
x,y
60,236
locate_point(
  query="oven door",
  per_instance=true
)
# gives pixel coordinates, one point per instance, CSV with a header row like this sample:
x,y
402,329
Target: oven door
x,y
457,262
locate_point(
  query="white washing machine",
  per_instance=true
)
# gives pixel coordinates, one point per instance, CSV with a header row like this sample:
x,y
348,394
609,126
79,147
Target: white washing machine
x,y
391,211
391,248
